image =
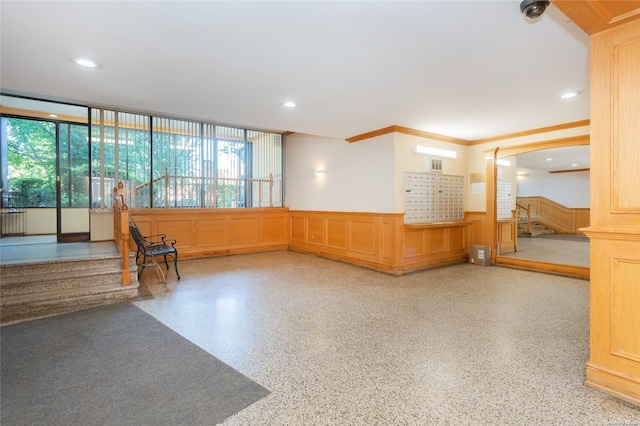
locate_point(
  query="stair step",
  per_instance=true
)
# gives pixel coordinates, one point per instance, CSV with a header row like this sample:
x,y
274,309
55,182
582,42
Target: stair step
x,y
39,308
538,233
58,294
37,289
37,283
543,232
62,265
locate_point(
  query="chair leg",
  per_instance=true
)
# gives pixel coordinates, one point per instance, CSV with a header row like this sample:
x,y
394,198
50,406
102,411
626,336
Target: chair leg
x,y
175,263
142,265
165,261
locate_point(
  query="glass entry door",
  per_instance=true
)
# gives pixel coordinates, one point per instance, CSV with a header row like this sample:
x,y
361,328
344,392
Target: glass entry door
x,y
44,171
72,183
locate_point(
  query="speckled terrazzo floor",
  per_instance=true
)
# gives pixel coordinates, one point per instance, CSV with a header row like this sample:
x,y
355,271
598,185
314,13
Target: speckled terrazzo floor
x,y
338,344
44,248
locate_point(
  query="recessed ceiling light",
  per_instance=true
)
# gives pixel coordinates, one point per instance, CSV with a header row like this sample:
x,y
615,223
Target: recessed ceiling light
x,y
569,95
548,159
289,104
85,62
574,165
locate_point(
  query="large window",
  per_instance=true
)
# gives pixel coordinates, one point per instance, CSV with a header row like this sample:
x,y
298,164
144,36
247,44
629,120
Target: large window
x,y
30,162
120,152
165,162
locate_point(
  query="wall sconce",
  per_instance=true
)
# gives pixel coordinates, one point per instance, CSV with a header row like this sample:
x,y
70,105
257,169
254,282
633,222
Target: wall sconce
x,y
521,175
419,149
319,172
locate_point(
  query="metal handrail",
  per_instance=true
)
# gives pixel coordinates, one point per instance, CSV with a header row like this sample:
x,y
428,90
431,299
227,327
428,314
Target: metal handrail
x,y
264,189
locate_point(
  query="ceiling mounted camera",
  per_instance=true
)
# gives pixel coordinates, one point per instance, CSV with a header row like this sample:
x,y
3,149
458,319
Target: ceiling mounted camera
x,y
533,9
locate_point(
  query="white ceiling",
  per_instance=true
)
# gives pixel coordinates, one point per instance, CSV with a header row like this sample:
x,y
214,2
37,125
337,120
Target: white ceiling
x,y
555,159
465,69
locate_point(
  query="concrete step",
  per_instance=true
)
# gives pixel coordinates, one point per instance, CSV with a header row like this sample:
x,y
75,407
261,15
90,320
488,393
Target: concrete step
x,y
37,289
59,265
40,283
542,232
13,313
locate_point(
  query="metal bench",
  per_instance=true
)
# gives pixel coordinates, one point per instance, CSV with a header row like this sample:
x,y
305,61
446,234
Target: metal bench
x,y
150,247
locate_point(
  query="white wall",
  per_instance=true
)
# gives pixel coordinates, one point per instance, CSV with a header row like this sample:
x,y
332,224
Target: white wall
x,y
569,189
101,221
41,221
477,158
367,176
358,178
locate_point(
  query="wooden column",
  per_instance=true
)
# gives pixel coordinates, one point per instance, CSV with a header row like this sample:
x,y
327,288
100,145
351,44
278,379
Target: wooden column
x,y
614,365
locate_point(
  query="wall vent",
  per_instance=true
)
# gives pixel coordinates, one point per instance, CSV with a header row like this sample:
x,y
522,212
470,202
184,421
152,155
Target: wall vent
x,y
436,165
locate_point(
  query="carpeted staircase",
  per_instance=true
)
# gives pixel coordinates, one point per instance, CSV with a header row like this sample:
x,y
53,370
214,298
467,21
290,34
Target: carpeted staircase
x,y
36,289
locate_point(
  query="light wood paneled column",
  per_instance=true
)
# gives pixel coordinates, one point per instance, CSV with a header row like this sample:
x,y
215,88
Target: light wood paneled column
x,y
614,27
614,365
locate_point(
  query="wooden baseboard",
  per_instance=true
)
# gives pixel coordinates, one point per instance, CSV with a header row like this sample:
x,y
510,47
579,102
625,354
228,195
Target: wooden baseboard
x,y
233,251
553,268
625,388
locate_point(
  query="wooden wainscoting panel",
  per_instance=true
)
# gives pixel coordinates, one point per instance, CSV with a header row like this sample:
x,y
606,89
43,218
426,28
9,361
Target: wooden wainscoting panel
x,y
532,202
244,230
507,234
430,245
315,230
436,240
379,241
564,220
178,229
215,232
362,236
614,364
297,228
212,232
556,214
387,242
337,233
367,239
475,232
274,228
625,308
146,226
456,239
414,243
